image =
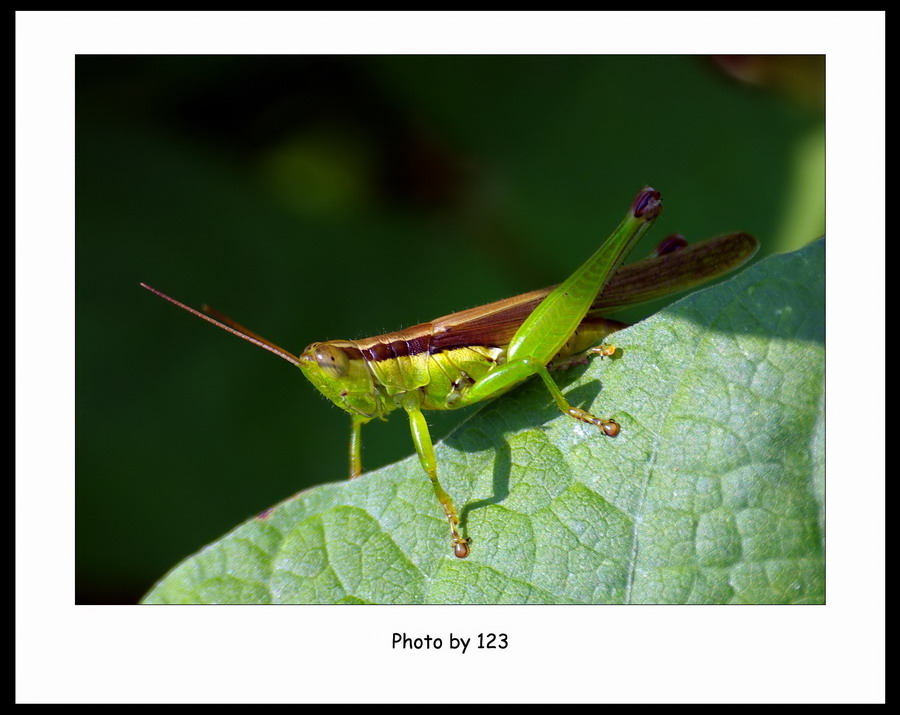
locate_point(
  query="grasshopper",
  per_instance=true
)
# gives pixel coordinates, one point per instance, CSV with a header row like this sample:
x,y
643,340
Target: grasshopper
x,y
483,352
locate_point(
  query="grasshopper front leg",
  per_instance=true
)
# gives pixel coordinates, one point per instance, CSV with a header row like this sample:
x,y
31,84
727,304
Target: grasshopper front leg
x,y
356,446
411,402
555,320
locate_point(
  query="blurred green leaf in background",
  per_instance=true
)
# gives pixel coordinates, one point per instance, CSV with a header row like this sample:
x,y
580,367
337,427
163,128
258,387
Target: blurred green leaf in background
x,y
326,197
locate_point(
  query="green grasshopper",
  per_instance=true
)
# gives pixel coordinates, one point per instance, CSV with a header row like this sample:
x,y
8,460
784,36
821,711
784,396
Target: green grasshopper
x,y
477,354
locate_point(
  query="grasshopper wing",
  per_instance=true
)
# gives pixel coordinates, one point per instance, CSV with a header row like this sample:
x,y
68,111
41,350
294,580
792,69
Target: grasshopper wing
x,y
494,324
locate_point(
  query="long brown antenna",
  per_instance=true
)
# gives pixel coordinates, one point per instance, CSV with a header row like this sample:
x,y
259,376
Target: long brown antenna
x,y
231,327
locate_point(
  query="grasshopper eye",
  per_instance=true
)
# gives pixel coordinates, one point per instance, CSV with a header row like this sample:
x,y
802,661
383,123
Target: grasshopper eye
x,y
333,361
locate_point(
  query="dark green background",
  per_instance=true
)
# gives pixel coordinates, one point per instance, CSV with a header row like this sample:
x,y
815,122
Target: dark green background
x,y
338,197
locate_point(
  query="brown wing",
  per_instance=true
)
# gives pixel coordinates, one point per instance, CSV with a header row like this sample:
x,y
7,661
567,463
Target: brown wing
x,y
674,272
494,324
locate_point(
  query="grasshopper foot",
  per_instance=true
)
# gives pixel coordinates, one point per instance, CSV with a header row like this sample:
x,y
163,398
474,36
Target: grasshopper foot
x,y
460,544
603,350
460,547
582,358
609,427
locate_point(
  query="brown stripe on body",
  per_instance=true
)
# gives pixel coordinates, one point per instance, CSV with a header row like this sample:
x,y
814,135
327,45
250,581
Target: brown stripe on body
x,y
402,343
489,326
376,352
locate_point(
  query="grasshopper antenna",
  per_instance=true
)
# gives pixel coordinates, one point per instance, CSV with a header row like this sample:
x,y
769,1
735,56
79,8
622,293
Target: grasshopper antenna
x,y
230,326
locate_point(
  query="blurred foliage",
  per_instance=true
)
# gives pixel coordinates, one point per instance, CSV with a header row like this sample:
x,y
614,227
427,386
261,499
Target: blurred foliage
x,y
339,197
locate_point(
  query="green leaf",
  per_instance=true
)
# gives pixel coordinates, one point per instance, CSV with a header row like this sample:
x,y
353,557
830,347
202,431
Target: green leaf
x,y
712,493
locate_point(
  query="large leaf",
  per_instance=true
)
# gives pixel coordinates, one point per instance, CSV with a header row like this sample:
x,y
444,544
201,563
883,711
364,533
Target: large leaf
x,y
712,493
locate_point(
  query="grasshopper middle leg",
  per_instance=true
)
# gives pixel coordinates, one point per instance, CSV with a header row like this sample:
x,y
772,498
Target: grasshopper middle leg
x,y
425,449
515,371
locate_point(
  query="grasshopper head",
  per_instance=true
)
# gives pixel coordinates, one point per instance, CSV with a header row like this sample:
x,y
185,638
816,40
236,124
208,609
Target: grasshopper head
x,y
344,379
